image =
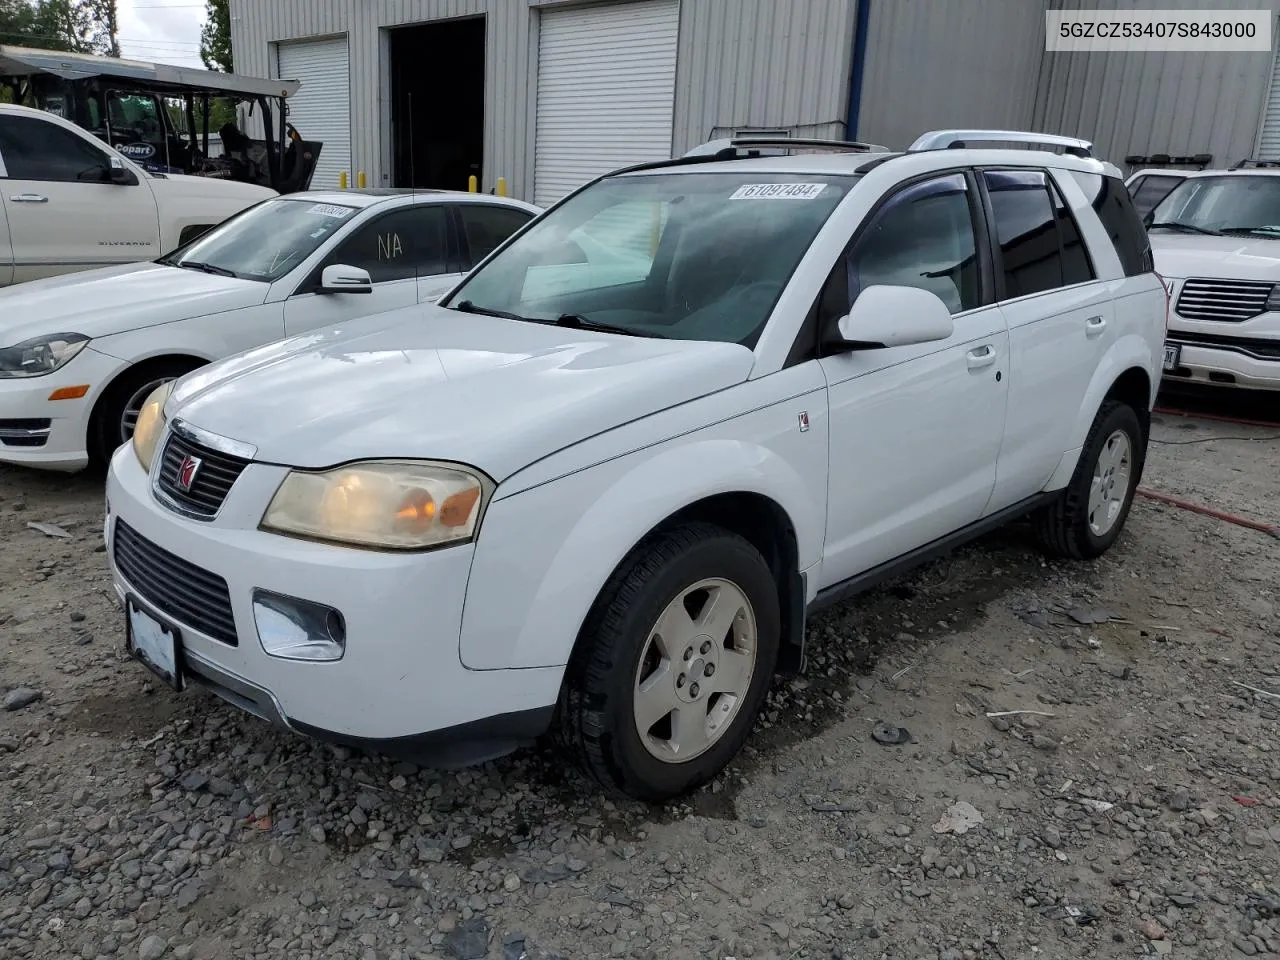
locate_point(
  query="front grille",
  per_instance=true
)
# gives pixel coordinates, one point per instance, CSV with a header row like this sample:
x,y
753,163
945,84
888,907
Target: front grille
x,y
1226,301
31,432
192,596
216,475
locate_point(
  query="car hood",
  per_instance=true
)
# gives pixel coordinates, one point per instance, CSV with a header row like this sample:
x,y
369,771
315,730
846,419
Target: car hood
x,y
97,303
426,382
174,185
1183,255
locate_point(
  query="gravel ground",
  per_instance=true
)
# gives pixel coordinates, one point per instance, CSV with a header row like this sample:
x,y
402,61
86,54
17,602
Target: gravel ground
x,y
1127,808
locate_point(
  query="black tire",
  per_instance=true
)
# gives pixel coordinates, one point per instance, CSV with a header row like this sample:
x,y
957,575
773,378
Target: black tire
x,y
595,723
1063,526
105,426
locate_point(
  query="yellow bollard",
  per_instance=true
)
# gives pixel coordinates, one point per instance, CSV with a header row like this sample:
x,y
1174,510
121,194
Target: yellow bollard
x,y
473,185
342,180
360,180
502,186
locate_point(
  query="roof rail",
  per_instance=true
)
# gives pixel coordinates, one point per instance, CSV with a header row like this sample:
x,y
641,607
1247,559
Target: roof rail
x,y
1252,162
1197,160
953,139
735,148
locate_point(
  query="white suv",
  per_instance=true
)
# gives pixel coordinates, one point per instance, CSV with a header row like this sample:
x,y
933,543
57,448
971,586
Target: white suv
x,y
598,488
1216,241
71,203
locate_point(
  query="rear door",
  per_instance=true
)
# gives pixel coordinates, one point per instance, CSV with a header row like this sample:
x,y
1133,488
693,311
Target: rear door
x,y
1059,306
481,227
400,248
64,212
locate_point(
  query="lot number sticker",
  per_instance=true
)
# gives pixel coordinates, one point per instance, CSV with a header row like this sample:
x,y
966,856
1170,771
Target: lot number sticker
x,y
778,191
330,210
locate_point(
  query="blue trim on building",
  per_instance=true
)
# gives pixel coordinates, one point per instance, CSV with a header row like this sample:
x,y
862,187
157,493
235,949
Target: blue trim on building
x,y
861,20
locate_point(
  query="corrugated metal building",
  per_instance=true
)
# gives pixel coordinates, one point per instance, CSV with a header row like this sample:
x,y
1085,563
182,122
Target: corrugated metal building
x,y
547,93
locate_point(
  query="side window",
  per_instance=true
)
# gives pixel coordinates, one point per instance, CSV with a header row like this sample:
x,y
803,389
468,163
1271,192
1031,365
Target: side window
x,y
923,237
1111,201
486,225
400,245
1147,192
1026,230
1076,265
34,149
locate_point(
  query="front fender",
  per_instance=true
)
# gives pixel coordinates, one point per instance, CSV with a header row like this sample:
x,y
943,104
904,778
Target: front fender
x,y
544,554
1129,351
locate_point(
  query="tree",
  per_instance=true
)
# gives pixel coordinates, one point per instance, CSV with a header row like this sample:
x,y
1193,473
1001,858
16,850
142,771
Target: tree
x,y
215,36
79,26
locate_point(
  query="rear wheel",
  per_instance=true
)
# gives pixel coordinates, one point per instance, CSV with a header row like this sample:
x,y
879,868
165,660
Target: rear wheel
x,y
1087,518
117,412
673,665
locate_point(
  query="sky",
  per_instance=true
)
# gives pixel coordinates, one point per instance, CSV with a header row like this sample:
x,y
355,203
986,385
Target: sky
x,y
165,31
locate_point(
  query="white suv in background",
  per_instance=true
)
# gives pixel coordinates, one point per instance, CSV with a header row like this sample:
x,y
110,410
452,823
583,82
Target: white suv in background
x,y
597,488
71,203
1216,241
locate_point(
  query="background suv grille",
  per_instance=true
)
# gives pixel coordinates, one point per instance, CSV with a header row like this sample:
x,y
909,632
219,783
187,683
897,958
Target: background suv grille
x,y
217,473
1228,301
192,596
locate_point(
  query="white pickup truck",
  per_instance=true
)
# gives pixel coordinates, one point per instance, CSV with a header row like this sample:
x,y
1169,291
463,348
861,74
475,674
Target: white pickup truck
x,y
70,203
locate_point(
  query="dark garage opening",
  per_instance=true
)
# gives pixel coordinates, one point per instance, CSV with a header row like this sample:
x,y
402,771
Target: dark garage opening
x,y
437,103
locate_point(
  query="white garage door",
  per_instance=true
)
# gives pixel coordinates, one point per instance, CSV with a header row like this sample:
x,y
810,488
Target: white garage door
x,y
606,86
321,109
1269,137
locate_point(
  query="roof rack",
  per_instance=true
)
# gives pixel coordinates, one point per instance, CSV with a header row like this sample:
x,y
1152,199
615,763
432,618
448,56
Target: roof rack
x,y
955,139
1197,160
1252,162
736,148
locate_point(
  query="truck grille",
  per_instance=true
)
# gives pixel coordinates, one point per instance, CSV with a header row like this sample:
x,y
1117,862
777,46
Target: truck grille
x,y
1226,301
192,596
216,474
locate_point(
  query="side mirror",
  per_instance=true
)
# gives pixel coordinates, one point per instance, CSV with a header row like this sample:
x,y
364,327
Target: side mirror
x,y
341,278
119,174
893,316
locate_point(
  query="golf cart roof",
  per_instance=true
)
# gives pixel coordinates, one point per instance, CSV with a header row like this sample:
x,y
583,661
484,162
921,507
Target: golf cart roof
x,y
25,61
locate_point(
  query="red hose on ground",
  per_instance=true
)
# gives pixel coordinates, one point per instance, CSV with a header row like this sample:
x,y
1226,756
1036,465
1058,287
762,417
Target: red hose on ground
x,y
1210,512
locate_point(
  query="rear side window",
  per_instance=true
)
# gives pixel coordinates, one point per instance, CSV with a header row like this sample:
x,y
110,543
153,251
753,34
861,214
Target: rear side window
x,y
1115,208
1026,230
1148,191
486,226
1076,266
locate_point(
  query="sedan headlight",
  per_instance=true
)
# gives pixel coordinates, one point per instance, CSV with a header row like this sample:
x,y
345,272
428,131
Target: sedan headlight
x,y
146,434
383,504
41,355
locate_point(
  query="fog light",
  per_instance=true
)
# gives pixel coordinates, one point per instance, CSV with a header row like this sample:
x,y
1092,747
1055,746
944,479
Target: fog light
x,y
293,629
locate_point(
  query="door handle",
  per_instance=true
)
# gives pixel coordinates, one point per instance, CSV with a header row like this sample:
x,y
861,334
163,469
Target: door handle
x,y
29,198
1094,326
980,357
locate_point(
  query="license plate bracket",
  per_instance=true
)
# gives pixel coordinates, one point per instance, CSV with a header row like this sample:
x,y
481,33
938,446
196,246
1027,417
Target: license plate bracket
x,y
1172,355
157,645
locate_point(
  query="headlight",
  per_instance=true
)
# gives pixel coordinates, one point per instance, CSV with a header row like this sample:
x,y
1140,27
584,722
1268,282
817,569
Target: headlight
x,y
386,504
35,358
146,434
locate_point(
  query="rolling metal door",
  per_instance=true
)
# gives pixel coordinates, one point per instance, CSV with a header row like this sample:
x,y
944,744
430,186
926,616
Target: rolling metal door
x,y
1269,136
321,109
606,91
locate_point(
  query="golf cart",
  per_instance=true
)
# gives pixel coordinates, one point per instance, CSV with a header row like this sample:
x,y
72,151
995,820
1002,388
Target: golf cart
x,y
160,116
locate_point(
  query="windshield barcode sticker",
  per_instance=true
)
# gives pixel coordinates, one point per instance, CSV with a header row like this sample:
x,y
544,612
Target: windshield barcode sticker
x,y
778,191
330,210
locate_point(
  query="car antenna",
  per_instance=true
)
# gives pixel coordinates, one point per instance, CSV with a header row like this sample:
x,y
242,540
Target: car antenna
x,y
413,172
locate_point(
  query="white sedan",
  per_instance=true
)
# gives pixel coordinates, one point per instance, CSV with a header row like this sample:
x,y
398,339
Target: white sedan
x,y
79,353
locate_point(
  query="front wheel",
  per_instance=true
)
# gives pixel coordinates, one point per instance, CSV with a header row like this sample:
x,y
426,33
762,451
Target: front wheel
x,y
673,665
117,412
1087,518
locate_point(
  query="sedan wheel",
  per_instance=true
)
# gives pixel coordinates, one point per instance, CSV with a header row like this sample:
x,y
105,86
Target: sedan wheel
x,y
133,407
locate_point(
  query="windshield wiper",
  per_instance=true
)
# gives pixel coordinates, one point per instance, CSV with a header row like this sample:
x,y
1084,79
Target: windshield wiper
x,y
579,322
466,306
1184,227
207,268
1251,231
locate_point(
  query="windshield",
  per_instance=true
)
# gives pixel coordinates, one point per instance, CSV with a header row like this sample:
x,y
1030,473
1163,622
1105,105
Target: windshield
x,y
266,241
688,255
1244,204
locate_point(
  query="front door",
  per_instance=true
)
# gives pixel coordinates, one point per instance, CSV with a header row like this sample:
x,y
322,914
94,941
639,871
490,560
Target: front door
x,y
915,431
64,212
402,249
6,248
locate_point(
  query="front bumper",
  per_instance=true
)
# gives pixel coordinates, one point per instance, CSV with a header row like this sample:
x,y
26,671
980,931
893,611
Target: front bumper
x,y
400,687
1223,365
51,434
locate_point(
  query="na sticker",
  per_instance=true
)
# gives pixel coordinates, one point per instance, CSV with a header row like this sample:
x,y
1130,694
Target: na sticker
x,y
778,191
330,210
